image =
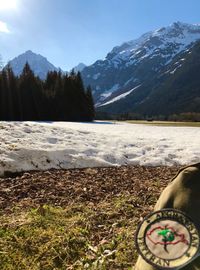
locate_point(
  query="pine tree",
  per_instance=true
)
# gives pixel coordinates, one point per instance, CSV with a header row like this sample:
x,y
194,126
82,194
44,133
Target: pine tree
x,y
60,97
12,95
4,97
68,102
1,63
1,98
81,99
90,104
31,94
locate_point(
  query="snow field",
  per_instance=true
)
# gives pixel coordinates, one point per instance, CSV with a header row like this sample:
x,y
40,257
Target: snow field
x,y
41,146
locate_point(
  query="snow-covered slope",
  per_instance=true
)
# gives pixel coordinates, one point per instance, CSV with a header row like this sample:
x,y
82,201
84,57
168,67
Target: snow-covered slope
x,y
119,97
137,61
40,146
39,64
174,89
165,42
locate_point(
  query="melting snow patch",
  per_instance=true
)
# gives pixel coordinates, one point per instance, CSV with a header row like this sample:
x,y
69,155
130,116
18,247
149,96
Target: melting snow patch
x,y
96,76
108,93
120,96
173,71
41,146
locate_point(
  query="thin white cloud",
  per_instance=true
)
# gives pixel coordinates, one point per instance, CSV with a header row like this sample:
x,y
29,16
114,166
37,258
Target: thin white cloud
x,y
4,28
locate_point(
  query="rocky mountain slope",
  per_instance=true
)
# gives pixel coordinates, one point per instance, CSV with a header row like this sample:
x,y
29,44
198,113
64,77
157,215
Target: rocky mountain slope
x,y
135,65
173,89
141,76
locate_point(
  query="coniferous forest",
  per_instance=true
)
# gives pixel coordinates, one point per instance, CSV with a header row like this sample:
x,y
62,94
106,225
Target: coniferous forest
x,y
58,98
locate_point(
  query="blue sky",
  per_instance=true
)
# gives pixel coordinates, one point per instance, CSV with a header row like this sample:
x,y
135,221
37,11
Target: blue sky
x,y
68,32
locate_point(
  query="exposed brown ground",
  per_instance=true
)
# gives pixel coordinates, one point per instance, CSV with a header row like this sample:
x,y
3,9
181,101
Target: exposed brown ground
x,y
101,209
92,185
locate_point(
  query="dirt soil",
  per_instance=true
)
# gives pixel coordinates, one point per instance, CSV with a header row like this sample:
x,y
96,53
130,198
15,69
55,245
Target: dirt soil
x,y
91,185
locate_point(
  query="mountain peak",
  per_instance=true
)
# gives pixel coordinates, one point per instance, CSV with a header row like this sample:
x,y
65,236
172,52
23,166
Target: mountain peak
x,y
179,24
178,33
79,67
38,63
29,52
136,61
177,28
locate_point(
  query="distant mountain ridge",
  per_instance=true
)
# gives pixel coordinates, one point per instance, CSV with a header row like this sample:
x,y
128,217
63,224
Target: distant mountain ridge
x,y
140,74
174,90
38,63
134,63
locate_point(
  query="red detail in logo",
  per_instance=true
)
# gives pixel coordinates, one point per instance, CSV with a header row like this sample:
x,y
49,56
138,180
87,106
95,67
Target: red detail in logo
x,y
181,240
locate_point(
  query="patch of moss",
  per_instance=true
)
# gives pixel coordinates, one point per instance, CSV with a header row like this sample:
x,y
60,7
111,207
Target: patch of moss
x,y
78,236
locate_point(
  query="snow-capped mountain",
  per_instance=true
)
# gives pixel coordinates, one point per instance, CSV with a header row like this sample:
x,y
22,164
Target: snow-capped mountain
x,y
174,89
39,64
141,74
127,67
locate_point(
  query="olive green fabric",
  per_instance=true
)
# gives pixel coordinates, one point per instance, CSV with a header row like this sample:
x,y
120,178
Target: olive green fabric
x,y
183,193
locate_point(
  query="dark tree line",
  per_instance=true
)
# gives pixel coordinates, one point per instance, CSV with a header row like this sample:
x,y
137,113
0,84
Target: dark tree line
x,y
58,98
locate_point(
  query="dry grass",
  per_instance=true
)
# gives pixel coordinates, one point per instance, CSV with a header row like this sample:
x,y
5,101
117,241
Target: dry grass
x,y
81,231
165,123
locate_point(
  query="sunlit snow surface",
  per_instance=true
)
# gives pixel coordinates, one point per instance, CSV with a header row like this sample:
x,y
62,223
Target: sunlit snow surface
x,y
40,146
